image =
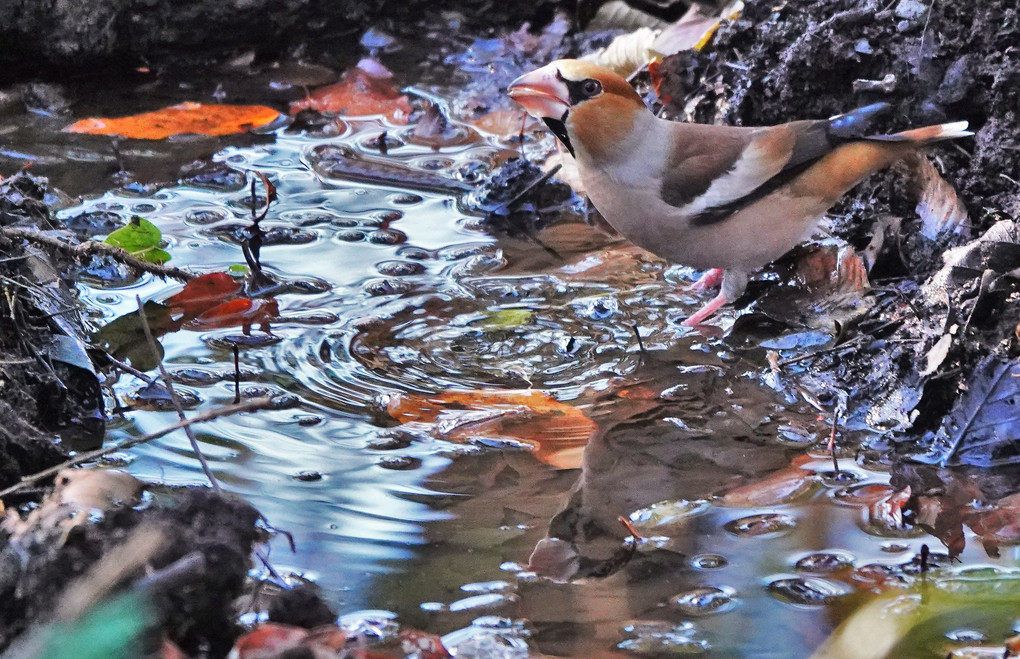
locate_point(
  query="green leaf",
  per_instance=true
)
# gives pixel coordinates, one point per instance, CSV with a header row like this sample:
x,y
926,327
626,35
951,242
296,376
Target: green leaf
x,y
238,270
141,238
112,630
507,319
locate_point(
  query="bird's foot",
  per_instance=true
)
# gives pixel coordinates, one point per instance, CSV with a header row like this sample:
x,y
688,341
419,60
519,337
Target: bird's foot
x,y
706,311
710,279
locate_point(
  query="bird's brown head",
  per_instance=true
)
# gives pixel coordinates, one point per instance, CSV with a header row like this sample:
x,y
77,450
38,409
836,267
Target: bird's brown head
x,y
582,103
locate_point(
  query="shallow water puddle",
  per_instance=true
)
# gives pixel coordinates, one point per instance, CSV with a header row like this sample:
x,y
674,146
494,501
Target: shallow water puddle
x,y
397,291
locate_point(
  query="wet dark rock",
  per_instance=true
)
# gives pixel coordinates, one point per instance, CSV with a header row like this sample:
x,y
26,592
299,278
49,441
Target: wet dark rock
x,y
703,601
23,201
238,231
213,175
69,35
301,606
824,562
204,216
95,222
387,237
351,236
400,463
400,268
308,476
386,287
764,524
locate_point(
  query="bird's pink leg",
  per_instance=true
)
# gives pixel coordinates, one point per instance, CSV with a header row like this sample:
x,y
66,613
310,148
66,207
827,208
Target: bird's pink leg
x,y
704,312
710,279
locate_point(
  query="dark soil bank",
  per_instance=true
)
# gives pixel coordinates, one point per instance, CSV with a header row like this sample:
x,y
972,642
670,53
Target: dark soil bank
x,y
61,36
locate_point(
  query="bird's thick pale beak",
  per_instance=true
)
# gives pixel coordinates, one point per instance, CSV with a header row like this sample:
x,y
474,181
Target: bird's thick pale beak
x,y
542,93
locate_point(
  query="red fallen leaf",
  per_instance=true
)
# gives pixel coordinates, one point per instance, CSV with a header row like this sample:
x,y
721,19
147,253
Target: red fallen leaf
x,y
241,311
171,651
201,118
267,641
781,487
366,89
275,641
422,645
204,292
557,431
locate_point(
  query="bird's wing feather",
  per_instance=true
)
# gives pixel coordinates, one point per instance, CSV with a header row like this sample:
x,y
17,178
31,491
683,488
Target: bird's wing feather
x,y
769,159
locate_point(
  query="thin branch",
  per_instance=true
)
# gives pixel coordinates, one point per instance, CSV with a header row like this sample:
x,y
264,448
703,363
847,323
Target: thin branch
x,y
247,406
168,381
91,248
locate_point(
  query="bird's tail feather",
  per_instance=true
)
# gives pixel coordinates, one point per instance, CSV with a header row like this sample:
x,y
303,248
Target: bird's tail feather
x,y
927,134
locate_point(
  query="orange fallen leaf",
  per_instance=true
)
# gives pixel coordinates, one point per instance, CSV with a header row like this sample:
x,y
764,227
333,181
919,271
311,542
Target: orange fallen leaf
x,y
557,432
204,119
366,89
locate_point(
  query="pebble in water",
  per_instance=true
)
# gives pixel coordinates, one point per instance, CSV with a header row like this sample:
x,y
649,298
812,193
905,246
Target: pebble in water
x,y
825,561
400,463
763,524
709,561
482,602
480,642
808,591
662,639
372,625
965,635
399,268
705,600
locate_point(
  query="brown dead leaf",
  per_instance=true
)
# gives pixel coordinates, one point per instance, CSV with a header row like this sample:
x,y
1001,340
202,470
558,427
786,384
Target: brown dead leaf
x,y
938,204
185,118
783,486
557,432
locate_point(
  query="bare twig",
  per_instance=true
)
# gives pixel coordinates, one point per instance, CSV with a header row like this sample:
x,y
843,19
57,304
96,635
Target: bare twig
x,y
91,248
227,410
168,381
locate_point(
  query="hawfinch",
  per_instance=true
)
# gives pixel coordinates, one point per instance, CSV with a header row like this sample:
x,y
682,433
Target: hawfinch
x,y
724,198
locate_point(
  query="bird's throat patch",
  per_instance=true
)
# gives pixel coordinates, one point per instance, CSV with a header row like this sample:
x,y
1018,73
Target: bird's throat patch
x,y
559,129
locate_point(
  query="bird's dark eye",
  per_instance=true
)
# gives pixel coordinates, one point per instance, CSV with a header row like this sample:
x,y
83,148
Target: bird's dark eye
x,y
591,87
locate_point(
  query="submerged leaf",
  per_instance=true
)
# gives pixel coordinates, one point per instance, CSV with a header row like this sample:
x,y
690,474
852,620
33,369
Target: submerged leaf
x,y
507,319
185,118
556,432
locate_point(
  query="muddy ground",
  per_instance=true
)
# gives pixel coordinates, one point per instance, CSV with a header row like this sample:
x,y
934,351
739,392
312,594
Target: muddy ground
x,y
891,364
